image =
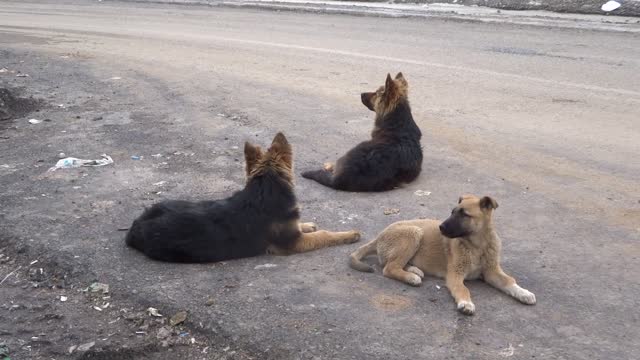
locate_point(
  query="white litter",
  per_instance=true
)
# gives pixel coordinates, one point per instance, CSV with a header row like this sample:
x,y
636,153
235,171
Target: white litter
x,y
3,70
71,162
159,183
22,75
265,266
33,262
507,352
34,121
63,298
115,78
97,308
438,287
422,193
154,312
610,6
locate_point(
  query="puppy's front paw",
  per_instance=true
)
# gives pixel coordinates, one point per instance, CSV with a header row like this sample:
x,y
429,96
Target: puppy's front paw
x,y
526,297
354,237
466,307
328,166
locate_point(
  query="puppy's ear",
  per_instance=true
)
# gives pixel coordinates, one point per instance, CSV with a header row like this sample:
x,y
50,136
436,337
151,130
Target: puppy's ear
x,y
460,199
281,147
488,203
252,154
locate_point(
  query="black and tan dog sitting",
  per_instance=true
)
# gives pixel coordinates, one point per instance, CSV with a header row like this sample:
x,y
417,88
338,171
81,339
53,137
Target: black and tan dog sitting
x,y
392,157
261,218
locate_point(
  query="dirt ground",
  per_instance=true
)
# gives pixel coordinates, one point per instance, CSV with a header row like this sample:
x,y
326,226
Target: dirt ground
x,y
541,118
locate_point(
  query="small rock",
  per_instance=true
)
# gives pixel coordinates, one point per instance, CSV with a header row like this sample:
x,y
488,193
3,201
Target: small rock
x,y
178,318
62,155
391,211
163,333
99,287
72,348
86,347
210,302
97,118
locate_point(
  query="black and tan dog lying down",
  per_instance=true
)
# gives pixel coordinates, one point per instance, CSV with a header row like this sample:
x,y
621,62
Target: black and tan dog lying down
x,y
261,218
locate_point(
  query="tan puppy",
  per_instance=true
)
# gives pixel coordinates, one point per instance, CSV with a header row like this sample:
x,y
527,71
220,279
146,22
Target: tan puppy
x,y
463,247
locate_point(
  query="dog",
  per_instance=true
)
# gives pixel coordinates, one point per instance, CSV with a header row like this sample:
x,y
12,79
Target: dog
x,y
463,247
392,157
261,218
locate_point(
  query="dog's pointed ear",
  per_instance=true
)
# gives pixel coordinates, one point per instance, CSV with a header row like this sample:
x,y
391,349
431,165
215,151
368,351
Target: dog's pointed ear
x,y
488,202
252,154
389,84
281,147
460,199
402,80
399,76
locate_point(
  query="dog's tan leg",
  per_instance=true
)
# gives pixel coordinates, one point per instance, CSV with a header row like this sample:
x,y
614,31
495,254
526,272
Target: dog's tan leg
x,y
307,227
321,239
460,293
399,244
501,281
328,166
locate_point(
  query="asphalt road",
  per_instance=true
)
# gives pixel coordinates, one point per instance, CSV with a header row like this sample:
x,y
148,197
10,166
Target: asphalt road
x,y
546,120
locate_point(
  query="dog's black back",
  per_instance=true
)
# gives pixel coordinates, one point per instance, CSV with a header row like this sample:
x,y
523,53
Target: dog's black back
x,y
242,225
393,155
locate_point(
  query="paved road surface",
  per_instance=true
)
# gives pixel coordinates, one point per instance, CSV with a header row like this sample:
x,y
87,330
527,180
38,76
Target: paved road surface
x,y
545,120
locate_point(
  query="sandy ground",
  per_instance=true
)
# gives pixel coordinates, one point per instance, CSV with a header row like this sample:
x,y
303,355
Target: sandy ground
x,y
544,119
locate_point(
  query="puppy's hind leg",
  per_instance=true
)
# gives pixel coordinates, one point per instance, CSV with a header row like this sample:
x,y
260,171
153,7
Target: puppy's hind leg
x,y
322,238
396,246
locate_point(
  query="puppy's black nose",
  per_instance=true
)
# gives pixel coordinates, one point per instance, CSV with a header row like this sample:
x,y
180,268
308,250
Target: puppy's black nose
x,y
441,228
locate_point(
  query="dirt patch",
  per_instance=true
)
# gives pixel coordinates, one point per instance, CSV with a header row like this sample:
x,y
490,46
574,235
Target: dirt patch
x,y
12,106
391,302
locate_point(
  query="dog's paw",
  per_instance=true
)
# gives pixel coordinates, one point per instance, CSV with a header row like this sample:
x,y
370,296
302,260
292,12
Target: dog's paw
x,y
328,166
413,279
354,237
466,307
308,227
415,270
526,297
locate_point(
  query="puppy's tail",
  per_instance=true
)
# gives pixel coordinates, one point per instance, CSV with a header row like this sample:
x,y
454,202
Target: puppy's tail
x,y
355,259
322,176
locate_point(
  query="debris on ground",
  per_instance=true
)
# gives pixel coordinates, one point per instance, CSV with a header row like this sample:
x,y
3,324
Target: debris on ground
x,y
34,121
159,183
97,287
22,75
63,298
610,6
71,162
136,157
422,193
210,302
264,266
4,352
507,352
391,211
154,312
164,332
86,347
178,318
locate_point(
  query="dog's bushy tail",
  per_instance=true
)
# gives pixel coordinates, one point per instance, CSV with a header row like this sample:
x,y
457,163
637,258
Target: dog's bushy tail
x,y
322,176
134,236
355,259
